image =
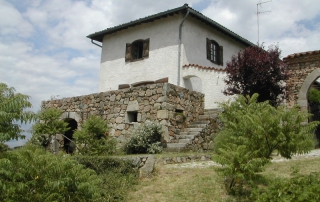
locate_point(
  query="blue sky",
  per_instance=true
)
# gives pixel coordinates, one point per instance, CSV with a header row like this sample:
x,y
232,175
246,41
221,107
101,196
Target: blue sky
x,y
44,51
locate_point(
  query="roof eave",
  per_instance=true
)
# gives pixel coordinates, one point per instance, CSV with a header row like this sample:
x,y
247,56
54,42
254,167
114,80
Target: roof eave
x,y
98,36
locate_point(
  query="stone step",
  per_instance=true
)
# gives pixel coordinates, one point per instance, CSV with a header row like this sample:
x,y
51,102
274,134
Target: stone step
x,y
174,147
188,141
186,136
190,129
201,122
189,133
199,125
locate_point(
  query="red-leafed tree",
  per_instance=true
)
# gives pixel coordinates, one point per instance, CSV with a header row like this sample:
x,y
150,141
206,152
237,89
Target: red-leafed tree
x,y
256,70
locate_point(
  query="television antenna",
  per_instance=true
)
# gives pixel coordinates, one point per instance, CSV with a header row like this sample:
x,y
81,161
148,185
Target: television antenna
x,y
258,13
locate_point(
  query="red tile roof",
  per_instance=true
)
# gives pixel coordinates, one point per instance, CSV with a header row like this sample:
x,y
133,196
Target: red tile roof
x,y
296,55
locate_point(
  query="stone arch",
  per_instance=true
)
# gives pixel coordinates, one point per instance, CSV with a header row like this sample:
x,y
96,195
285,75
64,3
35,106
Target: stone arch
x,y
193,83
303,70
72,115
302,95
73,119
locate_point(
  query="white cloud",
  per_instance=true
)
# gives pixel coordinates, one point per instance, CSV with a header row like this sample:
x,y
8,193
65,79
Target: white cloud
x,y
12,22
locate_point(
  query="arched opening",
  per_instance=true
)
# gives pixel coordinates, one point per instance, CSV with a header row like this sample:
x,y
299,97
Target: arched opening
x,y
68,145
193,83
313,97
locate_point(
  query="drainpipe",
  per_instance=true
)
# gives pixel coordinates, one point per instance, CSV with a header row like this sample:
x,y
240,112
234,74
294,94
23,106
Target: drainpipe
x,y
95,43
179,51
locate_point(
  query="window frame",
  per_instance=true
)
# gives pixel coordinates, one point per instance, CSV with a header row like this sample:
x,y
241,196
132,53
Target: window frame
x,y
214,52
137,50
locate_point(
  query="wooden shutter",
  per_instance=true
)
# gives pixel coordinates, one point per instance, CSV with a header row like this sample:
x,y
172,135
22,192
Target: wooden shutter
x,y
208,49
145,52
221,55
128,52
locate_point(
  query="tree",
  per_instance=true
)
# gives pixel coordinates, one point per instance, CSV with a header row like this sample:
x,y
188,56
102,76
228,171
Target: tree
x,y
33,174
13,111
253,130
256,70
47,125
92,139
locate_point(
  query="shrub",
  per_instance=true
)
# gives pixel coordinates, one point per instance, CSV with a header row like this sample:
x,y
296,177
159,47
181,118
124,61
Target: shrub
x,y
92,139
314,96
47,125
117,175
146,139
252,131
299,188
33,174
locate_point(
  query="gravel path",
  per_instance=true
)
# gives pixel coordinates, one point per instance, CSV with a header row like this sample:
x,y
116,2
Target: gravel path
x,y
203,164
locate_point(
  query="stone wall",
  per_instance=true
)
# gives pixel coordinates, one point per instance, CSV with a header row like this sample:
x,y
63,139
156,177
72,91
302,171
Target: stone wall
x,y
174,107
300,65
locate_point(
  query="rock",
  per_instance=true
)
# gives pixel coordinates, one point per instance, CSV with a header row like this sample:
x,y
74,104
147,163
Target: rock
x,y
148,167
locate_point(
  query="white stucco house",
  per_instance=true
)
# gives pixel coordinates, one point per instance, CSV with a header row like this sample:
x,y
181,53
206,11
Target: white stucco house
x,y
180,45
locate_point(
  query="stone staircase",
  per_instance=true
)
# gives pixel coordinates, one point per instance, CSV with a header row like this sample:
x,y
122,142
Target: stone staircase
x,y
189,134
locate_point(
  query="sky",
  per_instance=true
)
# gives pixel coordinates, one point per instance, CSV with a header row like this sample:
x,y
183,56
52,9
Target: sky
x,y
44,52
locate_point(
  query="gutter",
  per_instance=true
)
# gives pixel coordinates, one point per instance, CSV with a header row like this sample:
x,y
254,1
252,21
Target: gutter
x,y
95,43
179,51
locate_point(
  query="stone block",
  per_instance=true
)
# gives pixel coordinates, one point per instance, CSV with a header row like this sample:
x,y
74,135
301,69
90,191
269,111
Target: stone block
x,y
162,114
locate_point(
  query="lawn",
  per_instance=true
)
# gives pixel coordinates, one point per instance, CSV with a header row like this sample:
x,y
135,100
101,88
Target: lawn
x,y
200,182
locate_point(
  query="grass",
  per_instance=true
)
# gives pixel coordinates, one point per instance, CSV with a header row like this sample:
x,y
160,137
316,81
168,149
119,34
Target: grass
x,y
171,183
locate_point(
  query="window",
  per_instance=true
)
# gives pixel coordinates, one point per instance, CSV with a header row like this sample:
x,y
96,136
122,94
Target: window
x,y
214,52
137,50
132,117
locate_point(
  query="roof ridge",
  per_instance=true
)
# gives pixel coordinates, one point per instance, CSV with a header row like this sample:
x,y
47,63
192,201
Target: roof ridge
x,y
98,36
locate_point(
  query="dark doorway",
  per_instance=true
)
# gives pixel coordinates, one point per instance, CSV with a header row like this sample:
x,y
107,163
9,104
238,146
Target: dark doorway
x,y
69,146
314,105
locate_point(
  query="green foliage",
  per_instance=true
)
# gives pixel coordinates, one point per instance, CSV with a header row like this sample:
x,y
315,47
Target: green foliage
x,y
92,139
32,174
146,139
48,124
299,188
253,130
118,175
314,96
12,111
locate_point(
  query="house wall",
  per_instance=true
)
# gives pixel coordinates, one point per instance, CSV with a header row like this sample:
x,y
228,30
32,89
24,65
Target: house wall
x,y
163,54
194,58
152,102
163,57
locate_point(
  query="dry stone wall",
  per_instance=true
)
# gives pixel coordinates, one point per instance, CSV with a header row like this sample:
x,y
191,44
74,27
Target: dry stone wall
x,y
300,65
172,106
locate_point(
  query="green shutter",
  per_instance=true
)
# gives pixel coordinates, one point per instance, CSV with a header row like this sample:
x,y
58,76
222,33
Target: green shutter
x,y
221,55
208,49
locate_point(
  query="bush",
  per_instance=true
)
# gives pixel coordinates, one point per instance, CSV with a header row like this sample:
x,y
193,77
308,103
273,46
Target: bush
x,y
146,139
33,174
299,188
117,175
92,139
314,96
252,131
